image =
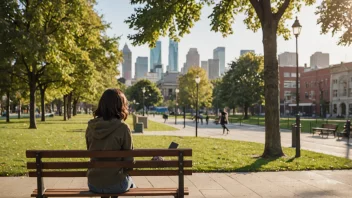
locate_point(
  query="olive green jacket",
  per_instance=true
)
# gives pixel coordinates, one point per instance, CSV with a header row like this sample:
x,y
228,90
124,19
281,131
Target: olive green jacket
x,y
107,135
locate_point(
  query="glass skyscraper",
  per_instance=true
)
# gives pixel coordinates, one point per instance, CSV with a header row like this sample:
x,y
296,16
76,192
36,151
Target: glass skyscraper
x,y
155,56
141,67
127,63
173,55
219,53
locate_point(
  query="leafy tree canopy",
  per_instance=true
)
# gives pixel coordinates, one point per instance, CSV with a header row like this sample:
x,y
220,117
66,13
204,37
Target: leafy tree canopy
x,y
152,95
188,88
243,84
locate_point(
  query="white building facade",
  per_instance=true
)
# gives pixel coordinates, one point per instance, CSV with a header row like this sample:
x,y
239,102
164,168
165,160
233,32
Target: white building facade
x,y
341,89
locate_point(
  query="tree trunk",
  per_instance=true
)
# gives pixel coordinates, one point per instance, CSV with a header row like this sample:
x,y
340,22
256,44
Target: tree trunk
x,y
271,87
32,90
69,105
245,112
19,109
74,104
59,107
8,106
42,102
65,107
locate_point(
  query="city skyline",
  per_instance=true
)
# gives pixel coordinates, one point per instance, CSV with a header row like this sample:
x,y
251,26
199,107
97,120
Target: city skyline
x,y
115,12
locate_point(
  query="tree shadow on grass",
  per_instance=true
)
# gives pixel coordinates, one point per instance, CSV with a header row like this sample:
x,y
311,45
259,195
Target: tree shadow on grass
x,y
77,130
257,164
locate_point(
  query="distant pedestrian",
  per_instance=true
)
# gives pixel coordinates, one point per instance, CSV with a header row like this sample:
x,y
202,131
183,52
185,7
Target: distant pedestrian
x,y
223,121
207,119
201,118
165,116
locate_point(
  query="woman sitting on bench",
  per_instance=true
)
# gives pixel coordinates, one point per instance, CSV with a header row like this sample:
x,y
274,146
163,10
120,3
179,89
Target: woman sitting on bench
x,y
107,131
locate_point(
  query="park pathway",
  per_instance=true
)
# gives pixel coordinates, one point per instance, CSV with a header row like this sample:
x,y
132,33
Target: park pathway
x,y
305,184
253,133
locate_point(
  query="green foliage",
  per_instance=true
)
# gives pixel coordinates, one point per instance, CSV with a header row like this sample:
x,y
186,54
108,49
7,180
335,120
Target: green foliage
x,y
336,16
188,89
218,101
57,46
152,95
243,84
176,18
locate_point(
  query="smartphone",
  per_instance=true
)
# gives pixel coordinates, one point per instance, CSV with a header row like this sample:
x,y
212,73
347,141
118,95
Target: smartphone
x,y
173,145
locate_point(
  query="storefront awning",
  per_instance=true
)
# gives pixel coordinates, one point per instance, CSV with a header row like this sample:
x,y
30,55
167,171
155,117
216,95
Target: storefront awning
x,y
301,104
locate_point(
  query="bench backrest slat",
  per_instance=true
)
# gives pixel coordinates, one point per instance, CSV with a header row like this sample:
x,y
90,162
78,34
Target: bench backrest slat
x,y
106,164
330,126
107,154
131,173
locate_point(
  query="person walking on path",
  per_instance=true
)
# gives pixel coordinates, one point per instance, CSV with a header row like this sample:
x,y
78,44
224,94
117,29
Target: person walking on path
x,y
223,120
207,118
165,116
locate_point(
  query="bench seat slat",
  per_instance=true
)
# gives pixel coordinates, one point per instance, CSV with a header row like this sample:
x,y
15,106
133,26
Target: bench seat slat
x,y
131,173
84,192
101,164
107,154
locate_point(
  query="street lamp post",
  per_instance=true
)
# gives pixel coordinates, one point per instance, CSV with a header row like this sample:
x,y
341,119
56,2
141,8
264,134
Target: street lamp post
x,y
197,82
143,90
176,92
296,27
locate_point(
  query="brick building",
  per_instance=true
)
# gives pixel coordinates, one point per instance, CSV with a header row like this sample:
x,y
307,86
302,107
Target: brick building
x,y
287,75
315,91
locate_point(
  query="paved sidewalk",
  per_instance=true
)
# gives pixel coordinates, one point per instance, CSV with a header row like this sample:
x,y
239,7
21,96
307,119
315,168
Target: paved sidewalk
x,y
216,185
254,133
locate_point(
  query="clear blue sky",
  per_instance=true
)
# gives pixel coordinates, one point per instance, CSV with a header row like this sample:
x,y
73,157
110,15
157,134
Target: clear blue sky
x,y
310,40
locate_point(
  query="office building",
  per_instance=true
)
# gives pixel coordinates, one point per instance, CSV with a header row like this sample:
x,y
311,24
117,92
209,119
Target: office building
x,y
287,76
155,56
319,59
204,65
242,52
159,71
173,56
287,59
214,68
219,53
141,67
192,59
127,63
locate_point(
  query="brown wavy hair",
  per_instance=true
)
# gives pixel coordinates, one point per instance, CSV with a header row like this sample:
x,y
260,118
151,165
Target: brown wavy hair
x,y
112,104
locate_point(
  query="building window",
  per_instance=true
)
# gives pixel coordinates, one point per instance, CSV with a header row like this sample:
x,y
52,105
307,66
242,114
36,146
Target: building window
x,y
307,85
312,94
293,75
335,108
306,95
334,93
286,74
334,81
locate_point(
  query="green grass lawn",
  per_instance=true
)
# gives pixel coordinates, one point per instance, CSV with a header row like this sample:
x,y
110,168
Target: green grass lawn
x,y
209,155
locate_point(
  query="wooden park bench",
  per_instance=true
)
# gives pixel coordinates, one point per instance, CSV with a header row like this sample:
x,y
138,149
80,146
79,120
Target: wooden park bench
x,y
326,129
343,133
52,167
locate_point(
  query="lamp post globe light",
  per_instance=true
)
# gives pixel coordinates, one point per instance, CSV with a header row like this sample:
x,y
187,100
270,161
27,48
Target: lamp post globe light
x,y
296,28
176,92
134,106
143,90
197,79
